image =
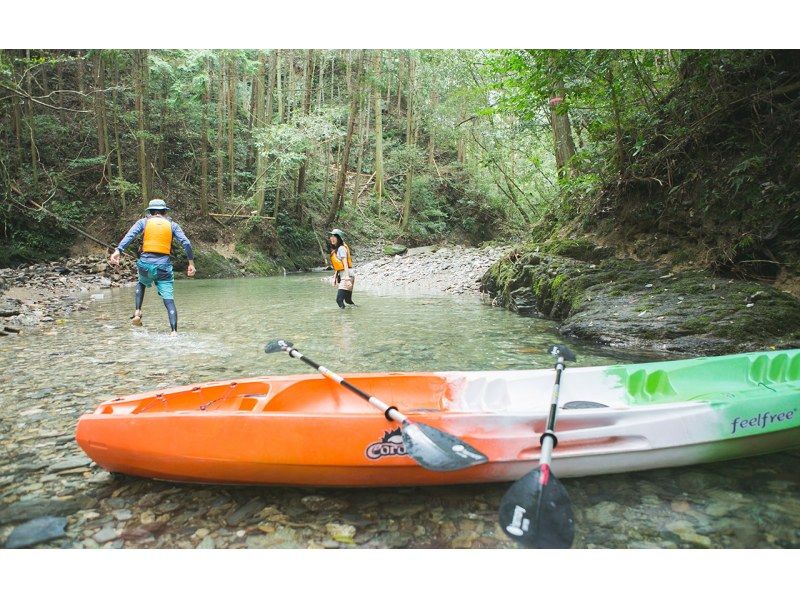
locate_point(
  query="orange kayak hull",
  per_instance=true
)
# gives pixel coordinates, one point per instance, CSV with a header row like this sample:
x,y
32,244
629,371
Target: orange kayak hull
x,y
285,430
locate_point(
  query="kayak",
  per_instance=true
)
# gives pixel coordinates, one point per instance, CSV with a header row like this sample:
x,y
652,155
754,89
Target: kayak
x,y
306,430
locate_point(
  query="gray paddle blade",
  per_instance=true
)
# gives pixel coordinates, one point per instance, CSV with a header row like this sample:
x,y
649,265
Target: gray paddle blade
x,y
437,450
537,515
277,345
562,351
583,405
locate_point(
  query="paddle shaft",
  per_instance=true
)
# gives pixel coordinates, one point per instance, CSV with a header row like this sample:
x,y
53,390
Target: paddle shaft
x,y
391,413
548,439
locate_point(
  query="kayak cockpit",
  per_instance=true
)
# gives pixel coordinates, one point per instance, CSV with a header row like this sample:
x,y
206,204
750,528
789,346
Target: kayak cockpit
x,y
290,394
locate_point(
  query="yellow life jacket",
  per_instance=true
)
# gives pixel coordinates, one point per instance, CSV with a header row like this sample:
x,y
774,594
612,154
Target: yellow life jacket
x,y
337,263
157,235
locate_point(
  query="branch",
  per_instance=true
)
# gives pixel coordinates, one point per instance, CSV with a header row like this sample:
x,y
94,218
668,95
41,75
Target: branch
x,y
24,95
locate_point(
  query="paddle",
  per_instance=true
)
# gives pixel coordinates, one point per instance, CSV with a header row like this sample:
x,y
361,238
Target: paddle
x,y
536,511
428,446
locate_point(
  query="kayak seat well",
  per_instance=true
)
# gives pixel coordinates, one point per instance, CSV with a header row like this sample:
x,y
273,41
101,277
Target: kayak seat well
x,y
775,368
650,387
409,393
703,377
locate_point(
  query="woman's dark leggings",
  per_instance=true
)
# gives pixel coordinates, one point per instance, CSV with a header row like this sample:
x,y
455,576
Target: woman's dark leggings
x,y
343,297
172,311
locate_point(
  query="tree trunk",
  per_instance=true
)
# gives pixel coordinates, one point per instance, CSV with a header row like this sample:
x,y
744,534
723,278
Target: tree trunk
x,y
34,150
290,87
277,200
326,163
140,86
220,133
80,76
205,143
160,157
231,124
622,161
16,118
431,142
378,131
409,143
301,176
362,136
59,82
333,78
117,146
279,84
258,125
338,193
100,108
460,147
559,121
45,82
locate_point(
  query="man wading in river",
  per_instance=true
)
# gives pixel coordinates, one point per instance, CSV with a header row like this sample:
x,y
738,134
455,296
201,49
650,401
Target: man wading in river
x,y
154,264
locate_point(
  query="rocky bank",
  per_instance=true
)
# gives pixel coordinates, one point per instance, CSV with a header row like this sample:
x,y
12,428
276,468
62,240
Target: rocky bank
x,y
639,306
432,269
42,294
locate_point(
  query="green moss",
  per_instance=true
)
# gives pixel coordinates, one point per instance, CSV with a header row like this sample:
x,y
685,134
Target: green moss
x,y
259,265
209,264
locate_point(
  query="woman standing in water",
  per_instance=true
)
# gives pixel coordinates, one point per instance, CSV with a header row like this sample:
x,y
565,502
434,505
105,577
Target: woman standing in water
x,y
342,263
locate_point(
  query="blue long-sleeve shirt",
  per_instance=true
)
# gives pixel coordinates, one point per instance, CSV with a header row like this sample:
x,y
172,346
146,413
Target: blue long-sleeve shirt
x,y
155,258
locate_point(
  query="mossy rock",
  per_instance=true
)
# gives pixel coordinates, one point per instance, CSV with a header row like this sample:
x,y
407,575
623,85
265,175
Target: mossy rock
x,y
260,265
636,305
393,249
578,249
209,264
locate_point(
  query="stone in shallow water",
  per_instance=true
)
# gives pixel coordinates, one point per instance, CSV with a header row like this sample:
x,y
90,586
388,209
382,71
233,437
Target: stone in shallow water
x,y
341,533
30,509
105,534
35,531
207,543
71,463
245,512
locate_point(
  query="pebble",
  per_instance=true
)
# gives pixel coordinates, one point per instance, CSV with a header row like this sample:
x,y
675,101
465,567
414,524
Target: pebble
x,y
36,531
106,534
207,542
340,532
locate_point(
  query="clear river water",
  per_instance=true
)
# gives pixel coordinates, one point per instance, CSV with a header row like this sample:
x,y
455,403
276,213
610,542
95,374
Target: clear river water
x,y
49,378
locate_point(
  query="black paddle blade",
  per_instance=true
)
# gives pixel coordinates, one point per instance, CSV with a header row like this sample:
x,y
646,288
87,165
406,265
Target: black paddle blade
x,y
277,345
562,351
536,515
437,450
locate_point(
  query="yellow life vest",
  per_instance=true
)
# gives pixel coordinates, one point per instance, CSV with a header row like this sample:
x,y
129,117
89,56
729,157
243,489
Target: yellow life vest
x,y
157,235
337,263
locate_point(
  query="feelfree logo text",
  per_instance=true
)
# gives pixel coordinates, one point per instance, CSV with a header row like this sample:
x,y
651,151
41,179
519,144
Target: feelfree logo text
x,y
761,421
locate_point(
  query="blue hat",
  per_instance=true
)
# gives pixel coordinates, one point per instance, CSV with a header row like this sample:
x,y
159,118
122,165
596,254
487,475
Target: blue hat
x,y
157,204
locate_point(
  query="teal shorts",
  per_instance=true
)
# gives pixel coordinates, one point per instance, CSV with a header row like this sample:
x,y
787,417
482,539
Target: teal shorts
x,y
161,275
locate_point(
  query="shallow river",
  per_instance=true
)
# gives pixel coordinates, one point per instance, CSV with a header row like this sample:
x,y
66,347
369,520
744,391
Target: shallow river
x,y
48,379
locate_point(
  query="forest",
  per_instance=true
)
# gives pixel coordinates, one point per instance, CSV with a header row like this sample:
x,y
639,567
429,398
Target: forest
x,y
689,156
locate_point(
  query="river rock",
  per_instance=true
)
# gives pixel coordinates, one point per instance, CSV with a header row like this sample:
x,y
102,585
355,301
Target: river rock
x,y
106,534
36,531
71,463
245,512
392,250
341,532
30,509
